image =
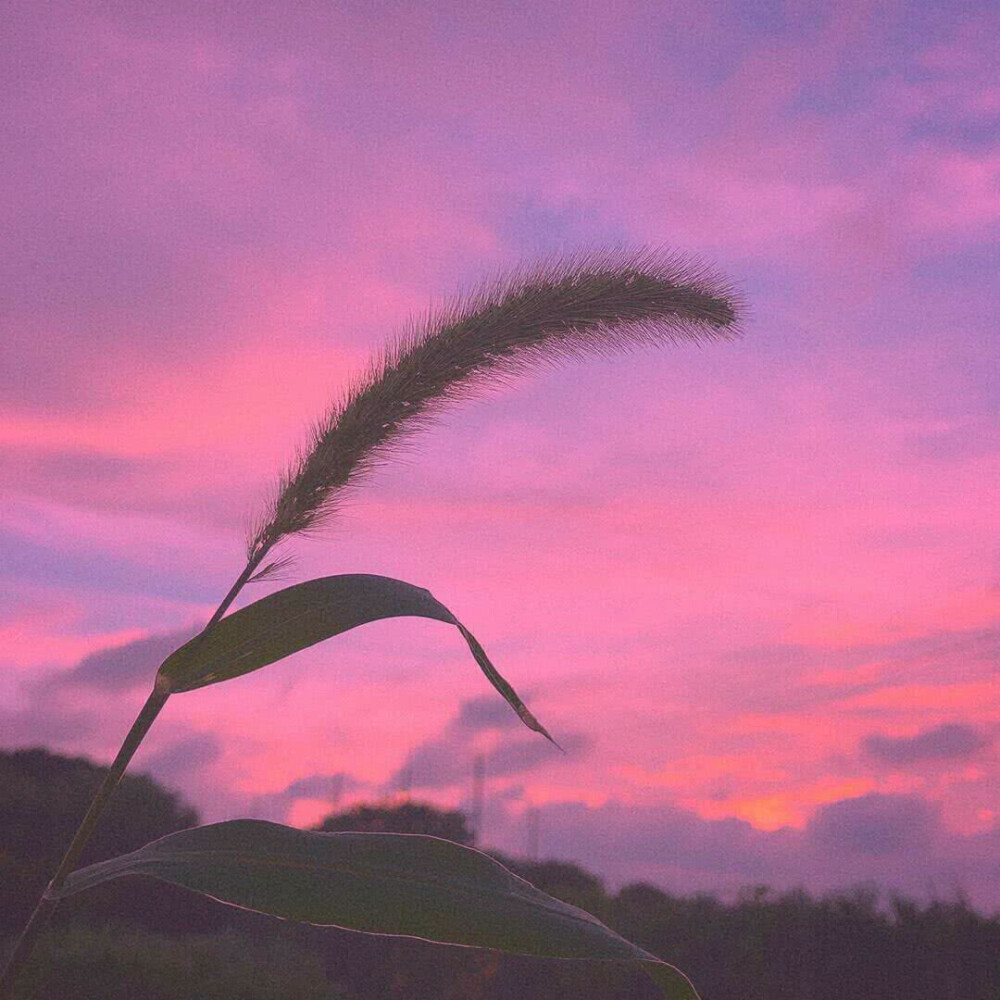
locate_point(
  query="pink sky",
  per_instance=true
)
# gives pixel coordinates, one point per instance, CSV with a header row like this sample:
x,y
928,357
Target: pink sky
x,y
754,588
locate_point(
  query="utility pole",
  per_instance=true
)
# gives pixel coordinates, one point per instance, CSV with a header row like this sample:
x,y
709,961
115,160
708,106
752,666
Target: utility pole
x,y
478,791
336,789
405,782
531,820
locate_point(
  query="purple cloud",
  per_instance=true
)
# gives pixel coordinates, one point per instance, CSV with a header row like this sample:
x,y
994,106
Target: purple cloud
x,y
949,741
326,787
875,825
189,754
52,711
894,842
446,760
122,668
482,713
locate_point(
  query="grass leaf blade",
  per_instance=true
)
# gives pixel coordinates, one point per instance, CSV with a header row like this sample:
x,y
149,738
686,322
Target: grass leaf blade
x,y
378,883
300,616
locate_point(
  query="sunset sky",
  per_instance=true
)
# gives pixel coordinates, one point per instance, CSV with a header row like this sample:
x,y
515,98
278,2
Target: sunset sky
x,y
753,588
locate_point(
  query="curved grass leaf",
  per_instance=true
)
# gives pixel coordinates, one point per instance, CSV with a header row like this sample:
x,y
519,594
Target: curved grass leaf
x,y
380,883
300,616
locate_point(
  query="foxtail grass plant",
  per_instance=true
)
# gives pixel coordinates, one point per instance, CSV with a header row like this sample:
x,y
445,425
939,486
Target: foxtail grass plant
x,y
593,304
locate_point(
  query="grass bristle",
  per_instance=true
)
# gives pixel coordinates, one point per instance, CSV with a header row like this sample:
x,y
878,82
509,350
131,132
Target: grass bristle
x,y
590,304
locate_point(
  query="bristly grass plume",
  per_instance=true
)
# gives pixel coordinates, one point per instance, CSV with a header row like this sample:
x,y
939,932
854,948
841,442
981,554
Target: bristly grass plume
x,y
595,303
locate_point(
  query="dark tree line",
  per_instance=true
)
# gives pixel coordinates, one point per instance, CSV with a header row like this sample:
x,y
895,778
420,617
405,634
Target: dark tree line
x,y
779,947
43,797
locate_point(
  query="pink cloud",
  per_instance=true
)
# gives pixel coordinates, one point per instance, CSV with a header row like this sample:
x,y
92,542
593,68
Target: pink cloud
x,y
725,569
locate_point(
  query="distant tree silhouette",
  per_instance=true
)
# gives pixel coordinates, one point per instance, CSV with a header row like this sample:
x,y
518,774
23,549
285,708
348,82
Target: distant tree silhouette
x,y
43,796
408,817
763,946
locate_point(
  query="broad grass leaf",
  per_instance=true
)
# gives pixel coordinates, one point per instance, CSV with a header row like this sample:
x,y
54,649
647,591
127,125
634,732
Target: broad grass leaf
x,y
379,883
301,616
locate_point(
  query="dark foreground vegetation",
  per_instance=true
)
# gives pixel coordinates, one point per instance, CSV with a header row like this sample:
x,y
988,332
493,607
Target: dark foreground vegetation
x,y
135,939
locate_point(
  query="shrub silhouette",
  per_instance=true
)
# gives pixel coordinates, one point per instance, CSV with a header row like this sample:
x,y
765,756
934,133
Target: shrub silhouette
x,y
407,817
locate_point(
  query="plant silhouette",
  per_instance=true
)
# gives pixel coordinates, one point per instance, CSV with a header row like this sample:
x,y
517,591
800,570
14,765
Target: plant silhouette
x,y
404,884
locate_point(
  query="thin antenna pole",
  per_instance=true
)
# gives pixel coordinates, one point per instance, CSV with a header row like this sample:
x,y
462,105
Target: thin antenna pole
x,y
531,819
336,790
478,792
